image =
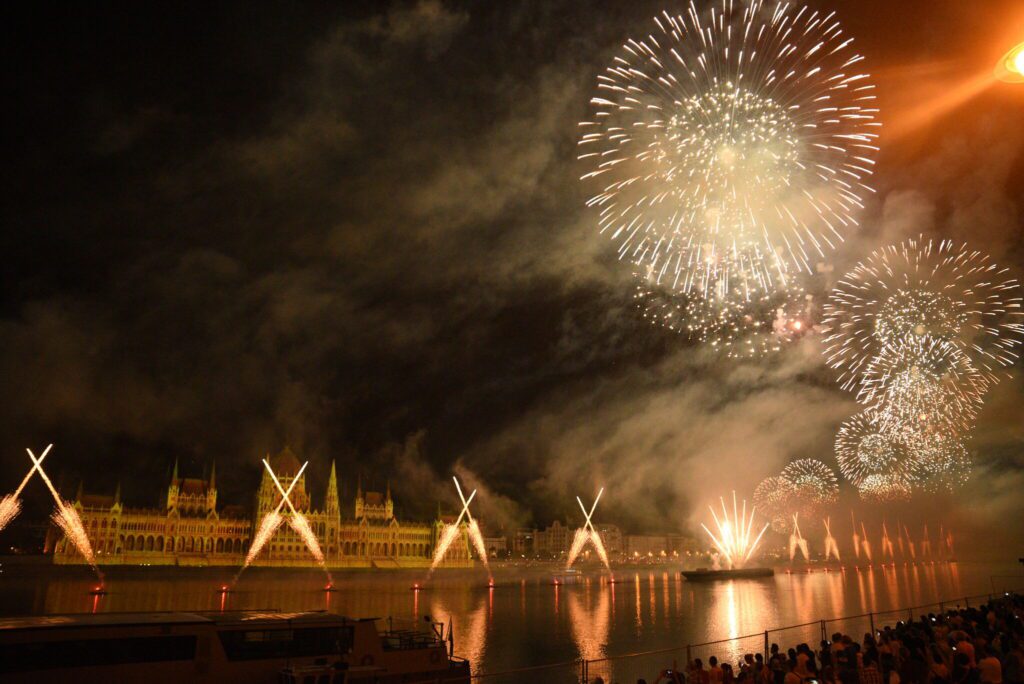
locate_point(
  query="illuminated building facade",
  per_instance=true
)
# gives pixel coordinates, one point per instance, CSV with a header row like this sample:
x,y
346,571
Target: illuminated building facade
x,y
189,530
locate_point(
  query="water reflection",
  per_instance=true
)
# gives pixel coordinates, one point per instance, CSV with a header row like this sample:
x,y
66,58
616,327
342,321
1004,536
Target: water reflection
x,y
524,620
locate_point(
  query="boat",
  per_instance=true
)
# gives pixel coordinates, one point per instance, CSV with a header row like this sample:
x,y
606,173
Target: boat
x,y
706,575
567,576
249,646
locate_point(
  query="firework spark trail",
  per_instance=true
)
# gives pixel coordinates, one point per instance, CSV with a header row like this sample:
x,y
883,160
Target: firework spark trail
x,y
899,541
10,505
949,544
856,537
831,547
447,537
449,534
579,540
477,538
730,149
926,544
797,541
887,547
910,543
475,535
300,524
66,517
734,535
865,542
268,526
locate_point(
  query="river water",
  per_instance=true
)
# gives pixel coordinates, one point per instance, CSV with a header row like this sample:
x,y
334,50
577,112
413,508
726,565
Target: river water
x,y
525,619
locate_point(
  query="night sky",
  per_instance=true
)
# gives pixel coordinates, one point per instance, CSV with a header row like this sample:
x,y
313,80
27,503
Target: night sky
x,y
358,229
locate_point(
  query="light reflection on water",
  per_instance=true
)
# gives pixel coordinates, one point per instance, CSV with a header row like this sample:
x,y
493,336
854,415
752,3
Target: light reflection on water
x,y
524,620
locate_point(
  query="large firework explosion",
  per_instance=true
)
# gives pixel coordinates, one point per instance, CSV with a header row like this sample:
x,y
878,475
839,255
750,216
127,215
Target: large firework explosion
x,y
729,148
921,330
923,290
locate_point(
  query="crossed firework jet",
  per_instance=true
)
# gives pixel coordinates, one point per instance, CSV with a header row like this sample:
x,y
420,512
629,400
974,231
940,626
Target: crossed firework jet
x,y
450,532
590,533
11,503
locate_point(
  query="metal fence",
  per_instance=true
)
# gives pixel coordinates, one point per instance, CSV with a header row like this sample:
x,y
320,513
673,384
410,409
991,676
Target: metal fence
x,y
628,667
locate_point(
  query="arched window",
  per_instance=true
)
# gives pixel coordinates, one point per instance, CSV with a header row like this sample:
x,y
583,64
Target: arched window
x,y
149,543
159,543
131,544
209,546
362,548
191,544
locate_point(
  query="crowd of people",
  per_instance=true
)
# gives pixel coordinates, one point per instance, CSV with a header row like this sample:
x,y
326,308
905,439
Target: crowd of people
x,y
980,645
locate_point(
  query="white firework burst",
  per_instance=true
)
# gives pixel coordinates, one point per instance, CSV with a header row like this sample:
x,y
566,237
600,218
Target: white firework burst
x,y
921,291
730,148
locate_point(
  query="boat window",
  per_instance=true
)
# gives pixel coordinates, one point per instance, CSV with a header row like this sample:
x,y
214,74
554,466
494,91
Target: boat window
x,y
282,643
47,655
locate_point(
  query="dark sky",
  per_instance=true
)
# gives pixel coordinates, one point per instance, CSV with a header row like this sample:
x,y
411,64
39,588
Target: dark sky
x,y
358,230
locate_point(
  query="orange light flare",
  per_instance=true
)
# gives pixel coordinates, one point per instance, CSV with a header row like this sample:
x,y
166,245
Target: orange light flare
x,y
1010,68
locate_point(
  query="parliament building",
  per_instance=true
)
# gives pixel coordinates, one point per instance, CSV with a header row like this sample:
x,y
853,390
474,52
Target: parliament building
x,y
189,529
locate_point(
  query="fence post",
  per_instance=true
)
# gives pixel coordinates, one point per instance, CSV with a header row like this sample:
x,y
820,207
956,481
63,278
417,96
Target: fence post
x,y
824,631
689,659
766,646
967,601
910,615
871,619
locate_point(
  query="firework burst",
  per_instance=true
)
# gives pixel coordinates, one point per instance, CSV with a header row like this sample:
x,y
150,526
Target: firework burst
x,y
814,484
924,384
924,292
864,451
774,497
729,149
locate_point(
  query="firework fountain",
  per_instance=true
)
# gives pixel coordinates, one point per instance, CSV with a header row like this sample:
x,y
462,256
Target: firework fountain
x,y
268,526
66,517
451,532
475,535
588,533
728,151
797,541
831,547
10,505
856,537
300,524
910,543
887,547
735,540
865,543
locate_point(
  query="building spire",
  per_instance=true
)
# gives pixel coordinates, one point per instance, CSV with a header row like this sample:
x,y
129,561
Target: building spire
x,y
331,499
117,493
359,487
174,475
388,495
213,476
78,496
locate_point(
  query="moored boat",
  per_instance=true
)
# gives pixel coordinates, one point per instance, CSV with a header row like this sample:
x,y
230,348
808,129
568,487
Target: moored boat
x,y
706,575
218,647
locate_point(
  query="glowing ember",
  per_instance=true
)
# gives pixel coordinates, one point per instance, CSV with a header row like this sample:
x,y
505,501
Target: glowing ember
x,y
733,540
